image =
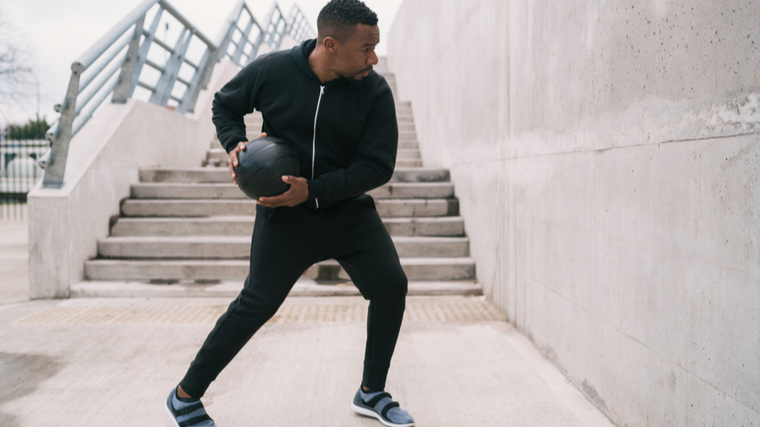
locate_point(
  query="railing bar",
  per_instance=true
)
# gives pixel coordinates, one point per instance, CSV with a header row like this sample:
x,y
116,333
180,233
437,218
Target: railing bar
x,y
85,116
183,81
154,65
81,103
232,18
161,43
175,98
190,63
146,86
97,49
91,74
169,8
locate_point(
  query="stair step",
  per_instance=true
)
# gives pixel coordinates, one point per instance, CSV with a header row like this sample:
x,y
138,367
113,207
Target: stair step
x,y
406,154
252,121
243,226
406,131
402,174
219,152
409,163
230,289
186,191
239,247
417,208
206,226
412,190
222,175
405,135
226,207
188,208
403,153
418,269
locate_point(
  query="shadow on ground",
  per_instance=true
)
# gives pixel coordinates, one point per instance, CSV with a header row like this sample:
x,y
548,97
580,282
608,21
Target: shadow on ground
x,y
21,374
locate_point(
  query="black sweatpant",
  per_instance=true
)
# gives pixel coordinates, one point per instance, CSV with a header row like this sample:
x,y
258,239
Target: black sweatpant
x,y
287,241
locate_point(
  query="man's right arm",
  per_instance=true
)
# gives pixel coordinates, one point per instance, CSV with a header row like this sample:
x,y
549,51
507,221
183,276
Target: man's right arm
x,y
231,104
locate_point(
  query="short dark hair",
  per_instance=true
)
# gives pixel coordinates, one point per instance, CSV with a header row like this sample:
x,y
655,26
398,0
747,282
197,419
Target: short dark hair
x,y
339,18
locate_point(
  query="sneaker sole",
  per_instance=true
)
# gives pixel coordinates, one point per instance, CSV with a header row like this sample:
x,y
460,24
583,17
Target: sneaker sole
x,y
370,413
168,411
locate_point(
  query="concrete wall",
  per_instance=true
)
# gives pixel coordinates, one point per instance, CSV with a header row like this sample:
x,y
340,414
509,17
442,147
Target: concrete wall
x,y
607,160
104,160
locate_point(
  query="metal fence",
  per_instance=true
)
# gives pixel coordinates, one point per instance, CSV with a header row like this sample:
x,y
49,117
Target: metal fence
x,y
18,174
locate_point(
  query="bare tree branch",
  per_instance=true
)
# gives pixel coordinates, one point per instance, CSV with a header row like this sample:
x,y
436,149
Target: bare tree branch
x,y
16,74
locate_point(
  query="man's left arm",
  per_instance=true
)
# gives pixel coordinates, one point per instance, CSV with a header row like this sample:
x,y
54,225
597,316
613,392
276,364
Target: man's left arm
x,y
377,159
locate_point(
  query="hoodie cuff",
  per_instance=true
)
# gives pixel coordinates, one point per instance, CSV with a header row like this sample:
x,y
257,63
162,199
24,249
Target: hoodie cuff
x,y
316,189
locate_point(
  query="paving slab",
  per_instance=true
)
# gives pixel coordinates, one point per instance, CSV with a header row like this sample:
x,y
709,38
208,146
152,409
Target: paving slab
x,y
14,261
111,362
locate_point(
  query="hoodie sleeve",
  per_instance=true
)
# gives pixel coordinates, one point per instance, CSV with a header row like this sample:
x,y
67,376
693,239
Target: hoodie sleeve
x,y
233,101
377,156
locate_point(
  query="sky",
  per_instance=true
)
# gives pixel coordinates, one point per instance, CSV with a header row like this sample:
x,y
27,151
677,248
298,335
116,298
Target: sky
x,y
58,32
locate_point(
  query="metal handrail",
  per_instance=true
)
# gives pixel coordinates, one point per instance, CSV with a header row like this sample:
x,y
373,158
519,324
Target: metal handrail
x,y
114,64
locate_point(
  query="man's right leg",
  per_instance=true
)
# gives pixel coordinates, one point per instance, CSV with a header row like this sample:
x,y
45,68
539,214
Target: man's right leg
x,y
280,253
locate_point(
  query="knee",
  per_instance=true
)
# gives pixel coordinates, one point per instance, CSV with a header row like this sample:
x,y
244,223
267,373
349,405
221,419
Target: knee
x,y
395,286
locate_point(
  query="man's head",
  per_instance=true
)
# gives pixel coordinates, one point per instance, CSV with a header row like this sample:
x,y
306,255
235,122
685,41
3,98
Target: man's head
x,y
347,29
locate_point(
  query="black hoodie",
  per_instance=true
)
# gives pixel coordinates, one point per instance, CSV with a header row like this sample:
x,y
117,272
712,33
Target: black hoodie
x,y
344,132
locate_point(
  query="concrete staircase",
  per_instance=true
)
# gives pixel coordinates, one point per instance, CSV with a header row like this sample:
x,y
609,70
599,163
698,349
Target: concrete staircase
x,y
186,232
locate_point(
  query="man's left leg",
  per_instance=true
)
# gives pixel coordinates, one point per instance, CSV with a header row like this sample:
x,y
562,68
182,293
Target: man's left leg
x,y
369,257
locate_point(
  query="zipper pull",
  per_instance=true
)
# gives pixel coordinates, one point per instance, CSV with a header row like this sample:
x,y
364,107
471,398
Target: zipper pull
x,y
321,90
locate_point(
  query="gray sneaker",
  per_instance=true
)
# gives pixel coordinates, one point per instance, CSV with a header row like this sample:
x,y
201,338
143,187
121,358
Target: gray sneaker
x,y
187,414
380,405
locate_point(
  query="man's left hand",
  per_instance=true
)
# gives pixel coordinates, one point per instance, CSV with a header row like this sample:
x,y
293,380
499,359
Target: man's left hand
x,y
297,194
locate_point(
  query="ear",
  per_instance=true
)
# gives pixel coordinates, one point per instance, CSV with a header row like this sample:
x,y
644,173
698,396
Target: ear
x,y
330,44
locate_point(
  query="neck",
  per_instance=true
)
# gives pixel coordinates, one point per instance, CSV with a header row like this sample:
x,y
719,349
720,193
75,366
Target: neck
x,y
320,64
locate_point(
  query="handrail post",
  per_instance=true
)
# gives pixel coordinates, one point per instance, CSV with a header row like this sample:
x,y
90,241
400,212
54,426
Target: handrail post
x,y
144,48
192,91
171,70
56,163
122,91
243,41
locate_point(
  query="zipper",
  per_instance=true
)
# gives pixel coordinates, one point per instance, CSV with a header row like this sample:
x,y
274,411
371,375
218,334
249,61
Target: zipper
x,y
314,138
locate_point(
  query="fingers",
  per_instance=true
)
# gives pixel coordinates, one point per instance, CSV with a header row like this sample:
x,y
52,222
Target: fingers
x,y
233,162
272,202
262,134
232,174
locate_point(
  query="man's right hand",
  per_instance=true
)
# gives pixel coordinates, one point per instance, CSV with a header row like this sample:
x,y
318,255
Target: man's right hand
x,y
234,157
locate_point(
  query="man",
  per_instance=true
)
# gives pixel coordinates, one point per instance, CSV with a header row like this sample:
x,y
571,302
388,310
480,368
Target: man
x,y
338,116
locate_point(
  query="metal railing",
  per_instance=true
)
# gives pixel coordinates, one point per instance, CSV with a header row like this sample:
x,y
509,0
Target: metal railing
x,y
115,64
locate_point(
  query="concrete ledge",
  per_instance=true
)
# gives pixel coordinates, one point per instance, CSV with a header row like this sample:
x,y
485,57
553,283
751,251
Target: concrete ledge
x,y
103,161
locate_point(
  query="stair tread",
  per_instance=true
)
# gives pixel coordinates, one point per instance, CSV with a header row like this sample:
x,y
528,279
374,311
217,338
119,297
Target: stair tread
x,y
251,218
247,239
230,289
234,262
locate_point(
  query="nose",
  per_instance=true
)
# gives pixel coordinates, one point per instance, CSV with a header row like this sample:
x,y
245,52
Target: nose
x,y
372,60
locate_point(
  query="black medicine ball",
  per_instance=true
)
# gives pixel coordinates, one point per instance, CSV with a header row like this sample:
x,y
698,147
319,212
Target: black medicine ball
x,y
262,165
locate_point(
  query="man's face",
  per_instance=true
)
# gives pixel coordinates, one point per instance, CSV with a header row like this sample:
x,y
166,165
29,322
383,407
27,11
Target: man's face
x,y
356,56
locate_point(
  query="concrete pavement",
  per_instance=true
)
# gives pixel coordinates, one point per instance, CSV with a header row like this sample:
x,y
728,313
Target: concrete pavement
x,y
14,256
111,362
